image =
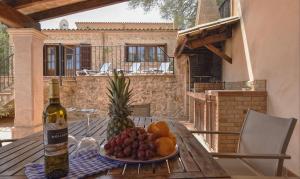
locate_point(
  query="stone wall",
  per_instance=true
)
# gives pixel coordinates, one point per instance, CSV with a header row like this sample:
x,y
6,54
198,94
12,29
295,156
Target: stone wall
x,y
202,87
256,85
160,91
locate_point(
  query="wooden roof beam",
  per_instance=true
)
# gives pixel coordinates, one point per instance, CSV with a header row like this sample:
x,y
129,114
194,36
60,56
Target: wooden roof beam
x,y
219,53
17,4
208,40
72,8
15,19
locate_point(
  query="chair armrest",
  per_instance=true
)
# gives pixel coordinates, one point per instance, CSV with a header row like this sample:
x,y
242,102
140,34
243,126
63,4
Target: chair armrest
x,y
254,156
215,132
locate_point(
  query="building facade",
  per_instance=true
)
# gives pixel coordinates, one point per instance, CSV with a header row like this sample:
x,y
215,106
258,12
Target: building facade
x,y
91,45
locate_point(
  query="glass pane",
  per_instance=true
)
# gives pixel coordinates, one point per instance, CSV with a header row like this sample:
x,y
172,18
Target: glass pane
x,y
160,54
151,54
51,53
69,55
77,57
69,61
141,54
131,54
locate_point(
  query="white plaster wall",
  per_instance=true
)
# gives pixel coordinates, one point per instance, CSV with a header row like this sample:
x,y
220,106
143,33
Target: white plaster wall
x,y
272,31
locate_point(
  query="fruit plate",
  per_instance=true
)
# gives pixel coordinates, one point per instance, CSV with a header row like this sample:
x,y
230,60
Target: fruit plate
x,y
128,160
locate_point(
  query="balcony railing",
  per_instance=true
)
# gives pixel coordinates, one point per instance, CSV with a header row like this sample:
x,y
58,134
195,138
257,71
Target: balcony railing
x,y
72,61
6,67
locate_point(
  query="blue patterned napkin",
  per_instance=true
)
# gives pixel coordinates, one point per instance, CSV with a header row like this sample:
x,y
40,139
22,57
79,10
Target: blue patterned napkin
x,y
86,164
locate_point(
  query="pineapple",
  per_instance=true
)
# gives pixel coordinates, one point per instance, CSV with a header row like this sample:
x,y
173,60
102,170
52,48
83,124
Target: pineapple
x,y
119,96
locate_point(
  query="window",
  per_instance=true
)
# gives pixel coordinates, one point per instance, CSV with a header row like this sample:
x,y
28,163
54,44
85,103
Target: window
x,y
78,65
73,58
145,53
50,60
160,54
69,53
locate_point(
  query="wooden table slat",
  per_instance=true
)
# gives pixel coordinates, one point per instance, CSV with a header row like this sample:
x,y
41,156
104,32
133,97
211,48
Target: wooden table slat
x,y
187,160
207,164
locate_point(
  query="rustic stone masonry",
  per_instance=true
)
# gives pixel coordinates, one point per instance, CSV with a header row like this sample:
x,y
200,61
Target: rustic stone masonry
x,y
202,87
161,92
256,85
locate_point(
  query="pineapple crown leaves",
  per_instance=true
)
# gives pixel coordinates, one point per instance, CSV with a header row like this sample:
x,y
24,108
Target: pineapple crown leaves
x,y
119,95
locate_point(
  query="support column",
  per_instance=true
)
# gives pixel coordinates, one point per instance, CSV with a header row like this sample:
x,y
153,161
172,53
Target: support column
x,y
28,84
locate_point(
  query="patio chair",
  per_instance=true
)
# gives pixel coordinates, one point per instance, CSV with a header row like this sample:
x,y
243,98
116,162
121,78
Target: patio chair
x,y
85,72
104,69
262,146
164,67
135,67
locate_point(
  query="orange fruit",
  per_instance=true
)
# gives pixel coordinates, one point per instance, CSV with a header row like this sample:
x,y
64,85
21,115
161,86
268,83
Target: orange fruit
x,y
164,146
172,137
163,129
150,127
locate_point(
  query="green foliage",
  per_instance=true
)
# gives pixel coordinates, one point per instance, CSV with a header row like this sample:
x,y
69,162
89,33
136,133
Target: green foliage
x,y
119,110
4,41
119,96
7,110
182,12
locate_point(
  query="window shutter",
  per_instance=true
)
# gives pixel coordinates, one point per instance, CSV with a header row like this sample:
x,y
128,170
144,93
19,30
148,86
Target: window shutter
x,y
85,54
45,60
126,53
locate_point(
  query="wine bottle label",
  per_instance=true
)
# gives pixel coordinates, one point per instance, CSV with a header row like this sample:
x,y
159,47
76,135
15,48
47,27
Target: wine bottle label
x,y
56,136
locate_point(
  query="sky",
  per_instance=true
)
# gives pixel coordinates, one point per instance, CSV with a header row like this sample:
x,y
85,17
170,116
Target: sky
x,y
114,13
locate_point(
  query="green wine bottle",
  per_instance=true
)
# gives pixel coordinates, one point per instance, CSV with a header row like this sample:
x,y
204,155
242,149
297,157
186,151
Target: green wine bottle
x,y
55,135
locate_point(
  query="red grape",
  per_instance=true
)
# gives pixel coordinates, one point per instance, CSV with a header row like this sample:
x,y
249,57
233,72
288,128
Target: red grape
x,y
143,147
107,146
119,141
109,151
135,144
120,155
141,154
127,141
149,154
113,143
117,149
127,151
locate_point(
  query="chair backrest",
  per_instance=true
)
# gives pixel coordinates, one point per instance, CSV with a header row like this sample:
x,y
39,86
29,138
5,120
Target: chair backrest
x,y
135,67
164,67
264,134
104,68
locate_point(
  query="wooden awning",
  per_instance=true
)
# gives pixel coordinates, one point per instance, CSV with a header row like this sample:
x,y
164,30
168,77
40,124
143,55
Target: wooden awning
x,y
206,35
27,13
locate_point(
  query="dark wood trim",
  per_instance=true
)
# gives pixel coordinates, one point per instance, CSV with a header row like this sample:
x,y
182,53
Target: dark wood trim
x,y
15,19
219,53
18,4
72,8
208,40
146,51
145,45
179,49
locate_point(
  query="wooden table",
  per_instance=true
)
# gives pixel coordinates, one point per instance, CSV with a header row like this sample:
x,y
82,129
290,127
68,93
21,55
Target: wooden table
x,y
193,161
